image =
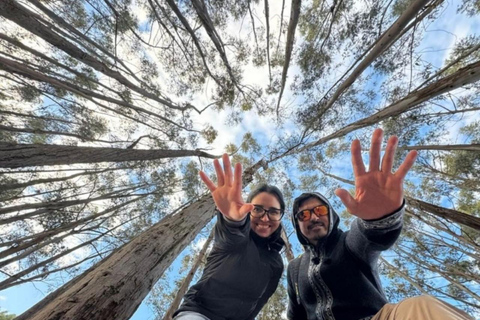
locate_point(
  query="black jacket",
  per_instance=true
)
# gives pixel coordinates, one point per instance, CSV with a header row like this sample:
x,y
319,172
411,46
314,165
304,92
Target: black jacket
x,y
241,273
339,278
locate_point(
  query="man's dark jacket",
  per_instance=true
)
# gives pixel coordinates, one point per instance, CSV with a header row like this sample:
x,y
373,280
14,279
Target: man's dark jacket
x,y
241,273
338,279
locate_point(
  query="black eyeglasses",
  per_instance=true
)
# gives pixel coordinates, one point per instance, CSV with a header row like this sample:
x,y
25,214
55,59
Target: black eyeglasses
x,y
305,215
274,214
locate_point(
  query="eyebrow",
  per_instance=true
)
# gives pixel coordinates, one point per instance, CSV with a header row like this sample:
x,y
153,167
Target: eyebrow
x,y
259,205
317,205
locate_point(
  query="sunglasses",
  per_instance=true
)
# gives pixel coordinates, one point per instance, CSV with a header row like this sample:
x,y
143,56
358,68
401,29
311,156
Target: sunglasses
x,y
305,215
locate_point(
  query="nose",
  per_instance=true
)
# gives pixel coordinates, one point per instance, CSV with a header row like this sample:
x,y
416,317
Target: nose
x,y
265,217
314,217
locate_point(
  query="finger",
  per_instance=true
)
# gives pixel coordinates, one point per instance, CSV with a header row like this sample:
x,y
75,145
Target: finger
x,y
347,199
375,150
227,167
357,161
407,164
389,156
219,171
247,207
238,176
210,185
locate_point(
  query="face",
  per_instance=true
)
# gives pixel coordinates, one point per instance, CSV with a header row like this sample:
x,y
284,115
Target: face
x,y
263,226
315,228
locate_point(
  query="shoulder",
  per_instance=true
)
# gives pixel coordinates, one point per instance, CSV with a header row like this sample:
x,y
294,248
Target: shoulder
x,y
294,265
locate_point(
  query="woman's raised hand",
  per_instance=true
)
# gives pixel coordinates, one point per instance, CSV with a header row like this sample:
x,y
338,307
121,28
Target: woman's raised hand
x,y
228,193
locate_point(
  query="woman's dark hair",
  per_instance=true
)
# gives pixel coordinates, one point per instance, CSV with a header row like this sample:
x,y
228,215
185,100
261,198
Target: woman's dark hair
x,y
274,191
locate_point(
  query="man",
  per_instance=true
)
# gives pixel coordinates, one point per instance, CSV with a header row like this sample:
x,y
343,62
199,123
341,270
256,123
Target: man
x,y
337,276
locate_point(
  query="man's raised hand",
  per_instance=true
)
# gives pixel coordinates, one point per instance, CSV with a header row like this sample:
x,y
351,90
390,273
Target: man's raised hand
x,y
378,191
228,194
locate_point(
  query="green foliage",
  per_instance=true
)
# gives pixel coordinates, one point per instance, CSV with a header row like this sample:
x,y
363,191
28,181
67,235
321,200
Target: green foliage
x,y
249,144
191,183
29,94
4,315
462,46
470,7
276,306
400,6
209,134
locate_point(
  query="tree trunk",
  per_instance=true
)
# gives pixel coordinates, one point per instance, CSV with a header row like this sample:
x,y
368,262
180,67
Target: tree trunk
x,y
449,147
25,18
115,287
14,67
26,155
464,76
186,282
389,37
292,26
288,246
449,214
403,275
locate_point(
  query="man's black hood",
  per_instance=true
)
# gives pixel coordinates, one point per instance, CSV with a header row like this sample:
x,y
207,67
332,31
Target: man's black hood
x,y
333,217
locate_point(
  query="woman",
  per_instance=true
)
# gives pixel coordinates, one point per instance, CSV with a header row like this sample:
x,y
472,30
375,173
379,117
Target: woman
x,y
244,266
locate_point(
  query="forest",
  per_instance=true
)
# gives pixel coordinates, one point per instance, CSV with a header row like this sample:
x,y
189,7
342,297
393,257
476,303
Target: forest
x,y
109,109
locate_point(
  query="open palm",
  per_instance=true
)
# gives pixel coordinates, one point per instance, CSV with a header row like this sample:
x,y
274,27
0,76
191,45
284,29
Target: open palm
x,y
378,191
228,193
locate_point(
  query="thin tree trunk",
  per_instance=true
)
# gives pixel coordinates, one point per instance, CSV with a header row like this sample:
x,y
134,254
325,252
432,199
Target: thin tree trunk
x,y
187,26
26,155
449,214
14,67
267,22
403,275
449,147
207,23
12,186
387,39
288,246
55,205
22,244
292,26
461,239
186,282
424,264
464,76
12,10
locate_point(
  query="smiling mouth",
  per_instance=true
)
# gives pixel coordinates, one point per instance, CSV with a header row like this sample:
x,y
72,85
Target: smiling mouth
x,y
262,227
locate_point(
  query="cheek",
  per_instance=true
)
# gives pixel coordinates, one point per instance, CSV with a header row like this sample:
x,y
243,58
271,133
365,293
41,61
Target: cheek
x,y
275,225
303,229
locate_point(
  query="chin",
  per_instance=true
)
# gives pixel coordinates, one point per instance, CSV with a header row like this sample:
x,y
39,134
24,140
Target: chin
x,y
263,234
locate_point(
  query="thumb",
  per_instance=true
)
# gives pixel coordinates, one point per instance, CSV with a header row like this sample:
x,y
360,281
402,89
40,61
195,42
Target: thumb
x,y
247,207
347,199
